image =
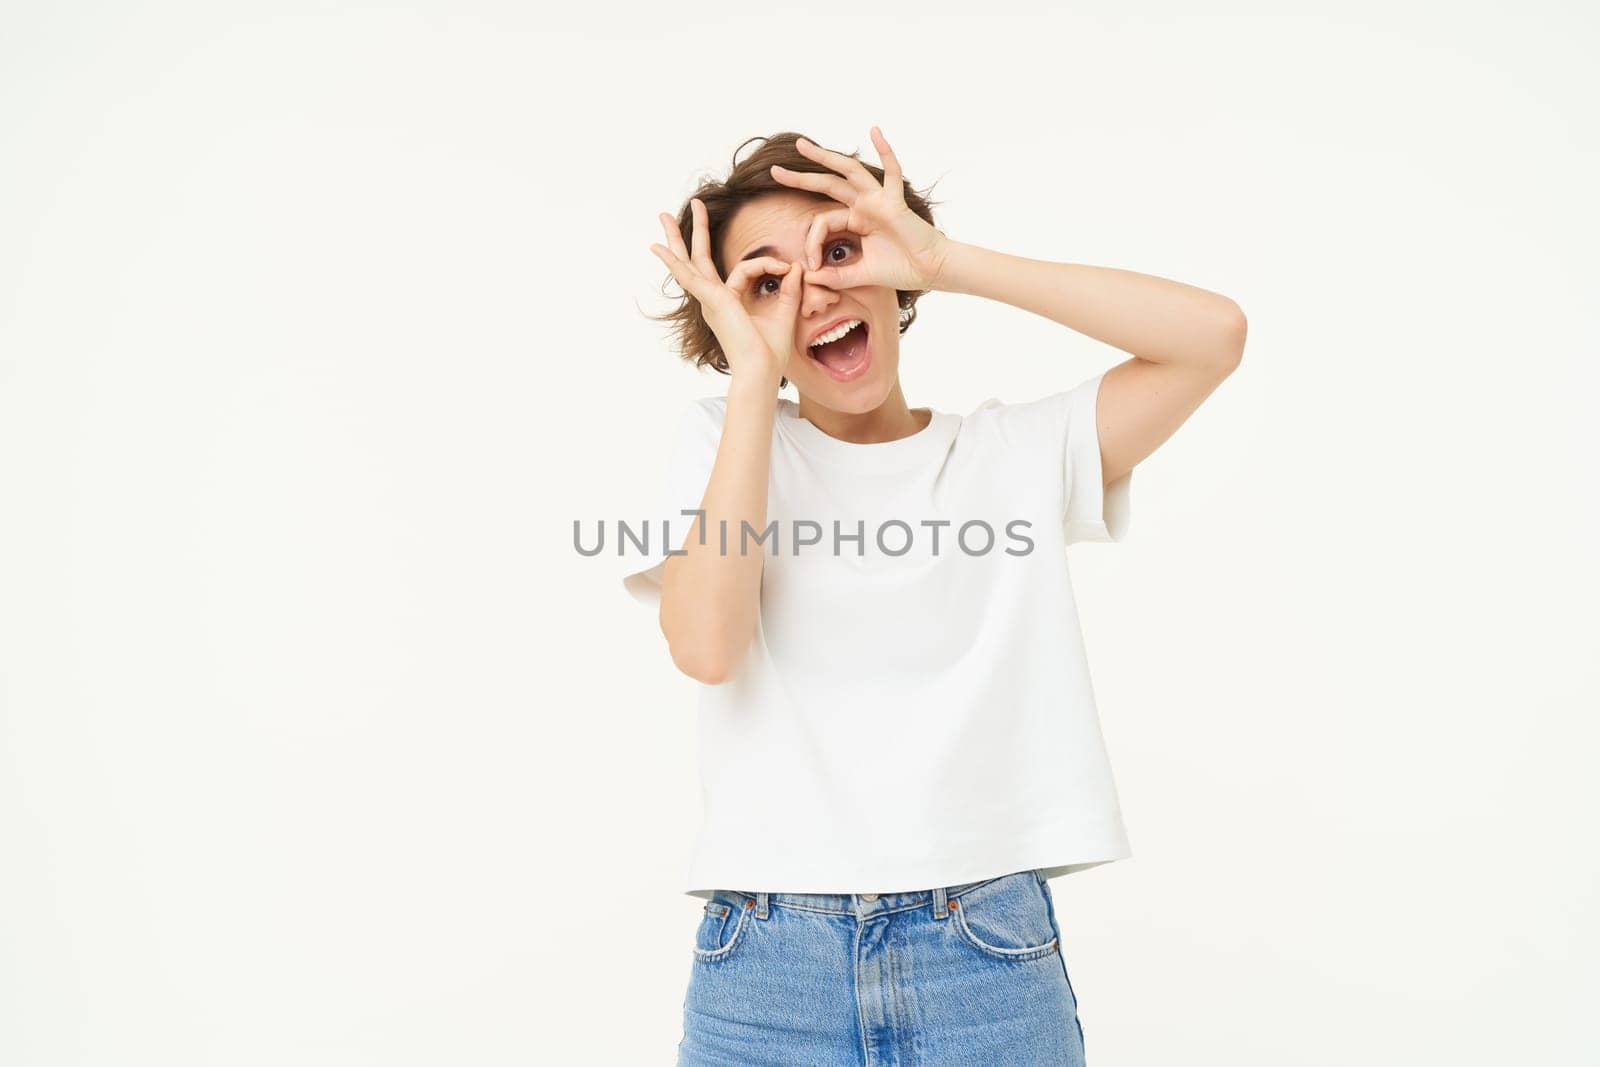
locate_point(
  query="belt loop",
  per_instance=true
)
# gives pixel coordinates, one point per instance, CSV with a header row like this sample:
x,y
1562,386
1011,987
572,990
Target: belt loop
x,y
940,908
761,905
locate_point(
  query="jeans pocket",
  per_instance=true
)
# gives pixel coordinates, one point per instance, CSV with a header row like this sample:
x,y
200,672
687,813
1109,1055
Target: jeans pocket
x,y
722,928
1008,918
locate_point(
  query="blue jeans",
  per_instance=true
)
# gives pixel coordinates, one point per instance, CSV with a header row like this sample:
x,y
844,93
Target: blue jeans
x,y
967,974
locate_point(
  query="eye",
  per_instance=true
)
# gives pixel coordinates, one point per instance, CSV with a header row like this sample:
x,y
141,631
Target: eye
x,y
827,253
760,286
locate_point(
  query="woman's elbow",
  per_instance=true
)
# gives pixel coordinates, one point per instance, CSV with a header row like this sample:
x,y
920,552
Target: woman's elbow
x,y
706,645
705,666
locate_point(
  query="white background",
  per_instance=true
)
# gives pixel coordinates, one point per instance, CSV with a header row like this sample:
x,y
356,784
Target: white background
x,y
321,323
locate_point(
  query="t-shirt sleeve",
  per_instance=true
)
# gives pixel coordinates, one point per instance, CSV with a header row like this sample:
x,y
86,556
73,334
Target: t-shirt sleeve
x,y
1094,511
692,455
1054,442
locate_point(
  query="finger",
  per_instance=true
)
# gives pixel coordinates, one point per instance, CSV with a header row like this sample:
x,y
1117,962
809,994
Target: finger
x,y
701,256
789,293
674,236
851,167
826,184
824,224
847,277
749,271
672,263
686,276
891,165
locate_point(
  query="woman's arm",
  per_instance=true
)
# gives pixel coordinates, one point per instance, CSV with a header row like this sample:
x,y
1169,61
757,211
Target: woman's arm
x,y
709,598
1184,340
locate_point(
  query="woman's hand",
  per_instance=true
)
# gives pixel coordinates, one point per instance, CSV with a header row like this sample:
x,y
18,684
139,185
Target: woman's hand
x,y
899,249
756,347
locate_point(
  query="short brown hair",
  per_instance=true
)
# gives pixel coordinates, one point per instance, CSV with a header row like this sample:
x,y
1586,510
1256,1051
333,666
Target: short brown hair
x,y
748,179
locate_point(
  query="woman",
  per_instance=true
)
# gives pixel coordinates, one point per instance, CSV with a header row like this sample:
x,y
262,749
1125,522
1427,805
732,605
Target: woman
x,y
899,744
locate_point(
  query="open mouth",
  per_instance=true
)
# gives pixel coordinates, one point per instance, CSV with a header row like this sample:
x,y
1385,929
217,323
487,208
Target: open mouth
x,y
846,357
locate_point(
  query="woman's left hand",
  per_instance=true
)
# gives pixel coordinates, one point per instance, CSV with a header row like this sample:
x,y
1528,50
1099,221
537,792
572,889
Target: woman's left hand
x,y
899,249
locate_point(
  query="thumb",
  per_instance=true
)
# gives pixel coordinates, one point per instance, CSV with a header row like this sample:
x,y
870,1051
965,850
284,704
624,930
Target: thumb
x,y
835,277
789,290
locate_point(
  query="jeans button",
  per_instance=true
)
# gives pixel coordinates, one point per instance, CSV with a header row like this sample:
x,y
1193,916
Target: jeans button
x,y
869,897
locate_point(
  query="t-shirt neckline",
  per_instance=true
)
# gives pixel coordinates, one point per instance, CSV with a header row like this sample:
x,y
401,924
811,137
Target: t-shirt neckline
x,y
932,440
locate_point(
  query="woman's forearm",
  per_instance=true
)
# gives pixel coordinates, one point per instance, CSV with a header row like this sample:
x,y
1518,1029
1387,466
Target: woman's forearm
x,y
710,597
1153,318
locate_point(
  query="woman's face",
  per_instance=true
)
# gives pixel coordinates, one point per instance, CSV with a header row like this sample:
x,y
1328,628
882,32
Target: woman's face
x,y
851,381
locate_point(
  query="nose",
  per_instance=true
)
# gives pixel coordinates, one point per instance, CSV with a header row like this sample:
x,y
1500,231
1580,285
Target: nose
x,y
815,298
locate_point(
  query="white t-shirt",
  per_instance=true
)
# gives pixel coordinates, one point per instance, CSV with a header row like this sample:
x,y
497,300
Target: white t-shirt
x,y
915,709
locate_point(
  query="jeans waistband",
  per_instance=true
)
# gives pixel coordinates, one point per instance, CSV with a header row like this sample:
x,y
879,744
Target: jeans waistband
x,y
866,905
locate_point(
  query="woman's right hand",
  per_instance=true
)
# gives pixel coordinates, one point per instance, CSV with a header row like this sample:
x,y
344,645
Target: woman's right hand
x,y
756,346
